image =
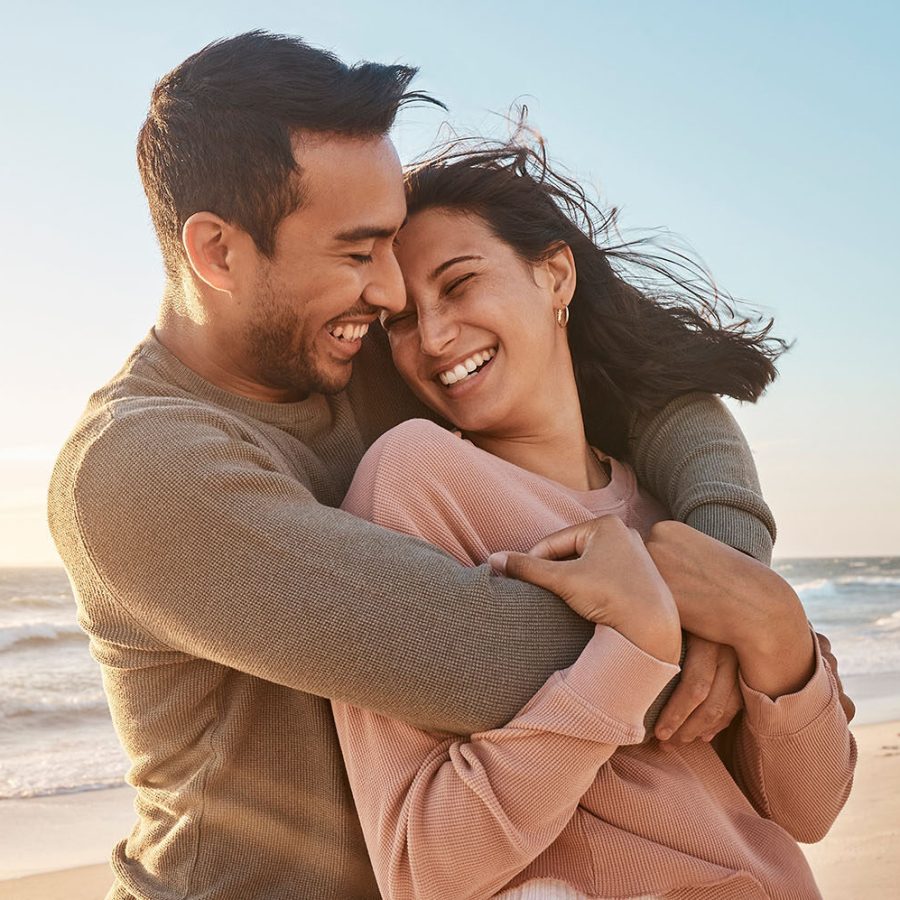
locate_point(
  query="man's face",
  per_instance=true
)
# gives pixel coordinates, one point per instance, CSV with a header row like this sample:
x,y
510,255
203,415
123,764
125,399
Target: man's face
x,y
306,309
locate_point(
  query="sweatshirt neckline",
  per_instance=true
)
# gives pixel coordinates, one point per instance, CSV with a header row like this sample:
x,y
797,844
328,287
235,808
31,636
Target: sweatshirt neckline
x,y
294,413
619,489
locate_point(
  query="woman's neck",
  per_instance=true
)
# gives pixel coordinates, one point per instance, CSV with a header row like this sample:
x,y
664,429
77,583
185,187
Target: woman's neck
x,y
560,452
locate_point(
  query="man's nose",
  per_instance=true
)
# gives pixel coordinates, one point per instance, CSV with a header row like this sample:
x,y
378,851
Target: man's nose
x,y
386,289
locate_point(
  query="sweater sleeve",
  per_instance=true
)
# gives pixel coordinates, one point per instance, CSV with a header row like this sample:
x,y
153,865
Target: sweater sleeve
x,y
203,546
694,458
794,757
447,819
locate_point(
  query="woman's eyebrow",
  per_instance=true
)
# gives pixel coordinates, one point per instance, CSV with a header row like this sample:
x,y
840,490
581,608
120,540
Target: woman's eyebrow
x,y
450,262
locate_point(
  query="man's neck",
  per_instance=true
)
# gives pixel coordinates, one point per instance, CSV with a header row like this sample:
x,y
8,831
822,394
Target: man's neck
x,y
194,344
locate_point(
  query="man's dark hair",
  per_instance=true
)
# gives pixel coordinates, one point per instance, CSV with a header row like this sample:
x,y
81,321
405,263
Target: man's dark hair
x,y
218,136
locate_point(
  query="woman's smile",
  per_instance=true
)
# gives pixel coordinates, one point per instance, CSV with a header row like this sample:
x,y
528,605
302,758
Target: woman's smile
x,y
467,370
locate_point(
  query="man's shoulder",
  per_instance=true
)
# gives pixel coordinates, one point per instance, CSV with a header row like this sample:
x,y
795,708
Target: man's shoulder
x,y
139,421
122,419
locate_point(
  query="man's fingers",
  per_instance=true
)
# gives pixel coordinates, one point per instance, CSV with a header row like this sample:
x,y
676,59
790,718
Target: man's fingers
x,y
686,697
711,716
721,703
847,705
697,675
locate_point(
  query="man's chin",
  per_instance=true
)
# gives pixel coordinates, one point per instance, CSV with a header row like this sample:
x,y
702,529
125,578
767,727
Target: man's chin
x,y
335,380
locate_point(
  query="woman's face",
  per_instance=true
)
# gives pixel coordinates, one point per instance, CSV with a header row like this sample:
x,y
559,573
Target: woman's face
x,y
478,340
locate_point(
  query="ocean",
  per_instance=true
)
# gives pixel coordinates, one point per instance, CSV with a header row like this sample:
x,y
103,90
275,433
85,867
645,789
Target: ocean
x,y
56,736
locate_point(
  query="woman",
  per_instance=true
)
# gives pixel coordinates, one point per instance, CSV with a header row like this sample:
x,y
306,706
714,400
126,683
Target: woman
x,y
515,321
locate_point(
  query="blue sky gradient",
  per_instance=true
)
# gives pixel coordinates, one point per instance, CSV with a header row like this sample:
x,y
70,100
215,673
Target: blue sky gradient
x,y
765,135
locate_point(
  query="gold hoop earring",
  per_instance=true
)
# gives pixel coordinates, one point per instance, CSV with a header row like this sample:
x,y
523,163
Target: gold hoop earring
x,y
562,316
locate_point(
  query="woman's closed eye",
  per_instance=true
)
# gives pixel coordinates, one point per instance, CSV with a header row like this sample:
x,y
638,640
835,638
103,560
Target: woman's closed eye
x,y
454,286
403,318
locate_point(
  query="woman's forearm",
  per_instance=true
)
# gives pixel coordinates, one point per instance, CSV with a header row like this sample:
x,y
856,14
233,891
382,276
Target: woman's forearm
x,y
725,596
794,756
780,658
447,819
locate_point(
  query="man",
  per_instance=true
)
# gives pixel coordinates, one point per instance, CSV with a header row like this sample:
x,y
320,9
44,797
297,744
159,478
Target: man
x,y
193,505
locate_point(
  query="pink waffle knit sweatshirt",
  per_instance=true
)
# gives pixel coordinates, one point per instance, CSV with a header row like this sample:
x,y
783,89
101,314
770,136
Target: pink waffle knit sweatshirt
x,y
566,794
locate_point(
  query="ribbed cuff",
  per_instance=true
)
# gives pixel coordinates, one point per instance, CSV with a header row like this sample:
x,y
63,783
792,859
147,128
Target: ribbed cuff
x,y
610,662
735,527
790,713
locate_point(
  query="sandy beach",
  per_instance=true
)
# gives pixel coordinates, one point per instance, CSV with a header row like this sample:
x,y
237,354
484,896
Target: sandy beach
x,y
53,847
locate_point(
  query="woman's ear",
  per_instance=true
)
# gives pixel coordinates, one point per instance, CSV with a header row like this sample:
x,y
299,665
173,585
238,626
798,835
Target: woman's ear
x,y
561,268
211,246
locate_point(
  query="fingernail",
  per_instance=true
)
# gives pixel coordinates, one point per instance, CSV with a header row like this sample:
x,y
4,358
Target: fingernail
x,y
497,562
664,734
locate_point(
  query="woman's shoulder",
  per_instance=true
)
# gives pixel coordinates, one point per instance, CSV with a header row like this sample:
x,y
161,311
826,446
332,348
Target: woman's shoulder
x,y
424,480
418,432
418,444
415,458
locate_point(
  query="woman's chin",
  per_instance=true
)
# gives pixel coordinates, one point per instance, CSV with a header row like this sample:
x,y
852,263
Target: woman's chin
x,y
474,427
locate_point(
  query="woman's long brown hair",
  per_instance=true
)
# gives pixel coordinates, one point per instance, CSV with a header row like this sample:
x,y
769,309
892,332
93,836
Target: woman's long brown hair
x,y
647,323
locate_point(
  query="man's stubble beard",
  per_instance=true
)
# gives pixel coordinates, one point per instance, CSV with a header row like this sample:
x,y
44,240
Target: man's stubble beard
x,y
271,338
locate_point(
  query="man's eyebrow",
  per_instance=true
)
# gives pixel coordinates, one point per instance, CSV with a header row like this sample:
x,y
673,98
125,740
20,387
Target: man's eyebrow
x,y
365,232
450,262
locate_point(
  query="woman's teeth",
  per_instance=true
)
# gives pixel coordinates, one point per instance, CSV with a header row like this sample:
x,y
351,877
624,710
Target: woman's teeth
x,y
348,332
466,367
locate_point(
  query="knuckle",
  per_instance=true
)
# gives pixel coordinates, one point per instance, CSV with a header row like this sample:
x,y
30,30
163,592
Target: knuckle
x,y
698,689
667,529
729,662
612,524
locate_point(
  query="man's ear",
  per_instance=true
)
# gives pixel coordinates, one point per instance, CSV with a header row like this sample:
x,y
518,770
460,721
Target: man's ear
x,y
212,247
561,267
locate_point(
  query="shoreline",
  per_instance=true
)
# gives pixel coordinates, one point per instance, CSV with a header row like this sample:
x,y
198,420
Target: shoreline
x,y
856,859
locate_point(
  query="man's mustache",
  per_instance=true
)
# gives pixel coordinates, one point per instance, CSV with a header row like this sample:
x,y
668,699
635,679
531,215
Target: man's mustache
x,y
358,312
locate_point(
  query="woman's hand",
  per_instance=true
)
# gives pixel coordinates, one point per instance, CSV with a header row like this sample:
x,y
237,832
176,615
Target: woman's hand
x,y
603,571
727,597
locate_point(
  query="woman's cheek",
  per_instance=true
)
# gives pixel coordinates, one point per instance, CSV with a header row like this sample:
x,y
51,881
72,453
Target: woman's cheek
x,y
405,358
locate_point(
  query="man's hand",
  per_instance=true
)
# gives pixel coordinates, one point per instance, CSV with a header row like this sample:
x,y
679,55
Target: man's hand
x,y
707,696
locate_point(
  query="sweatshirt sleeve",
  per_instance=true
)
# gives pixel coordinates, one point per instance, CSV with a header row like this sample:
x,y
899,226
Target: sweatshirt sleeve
x,y
693,457
450,818
794,757
203,547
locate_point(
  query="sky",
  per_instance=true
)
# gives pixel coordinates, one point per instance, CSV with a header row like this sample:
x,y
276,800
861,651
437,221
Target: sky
x,y
764,135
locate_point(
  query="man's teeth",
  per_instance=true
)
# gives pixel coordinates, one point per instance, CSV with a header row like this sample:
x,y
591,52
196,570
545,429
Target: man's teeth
x,y
349,332
466,367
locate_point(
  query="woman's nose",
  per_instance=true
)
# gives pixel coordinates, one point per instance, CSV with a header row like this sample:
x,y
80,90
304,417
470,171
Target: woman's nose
x,y
436,331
